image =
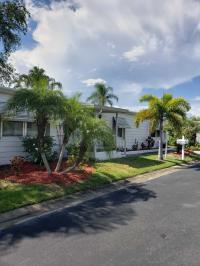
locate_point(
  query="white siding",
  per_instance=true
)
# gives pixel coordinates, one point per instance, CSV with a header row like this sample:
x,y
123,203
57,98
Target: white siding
x,y
133,133
9,147
12,146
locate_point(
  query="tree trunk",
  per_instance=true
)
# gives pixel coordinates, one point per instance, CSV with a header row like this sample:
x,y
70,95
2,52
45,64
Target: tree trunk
x,y
60,156
161,140
82,150
41,128
46,164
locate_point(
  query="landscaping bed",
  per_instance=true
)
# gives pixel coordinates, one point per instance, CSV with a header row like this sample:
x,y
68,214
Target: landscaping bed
x,y
32,184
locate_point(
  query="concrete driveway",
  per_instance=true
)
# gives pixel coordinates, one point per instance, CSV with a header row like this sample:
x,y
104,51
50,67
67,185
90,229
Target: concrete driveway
x,y
157,223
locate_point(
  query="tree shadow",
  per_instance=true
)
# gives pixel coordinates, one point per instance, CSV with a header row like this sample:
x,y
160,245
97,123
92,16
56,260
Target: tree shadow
x,y
196,166
136,161
104,213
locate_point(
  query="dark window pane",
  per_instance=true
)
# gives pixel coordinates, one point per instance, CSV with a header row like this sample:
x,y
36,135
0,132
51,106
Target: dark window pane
x,y
12,128
120,132
31,129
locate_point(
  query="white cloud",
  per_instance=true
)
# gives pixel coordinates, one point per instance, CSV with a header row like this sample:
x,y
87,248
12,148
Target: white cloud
x,y
197,98
92,82
148,43
134,54
195,110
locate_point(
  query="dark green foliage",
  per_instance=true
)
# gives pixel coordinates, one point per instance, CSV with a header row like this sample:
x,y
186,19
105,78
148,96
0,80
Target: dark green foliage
x,y
13,23
102,95
150,142
31,145
73,149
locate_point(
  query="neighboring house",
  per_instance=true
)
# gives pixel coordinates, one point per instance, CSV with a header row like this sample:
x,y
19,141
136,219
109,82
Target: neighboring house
x,y
121,121
127,135
13,129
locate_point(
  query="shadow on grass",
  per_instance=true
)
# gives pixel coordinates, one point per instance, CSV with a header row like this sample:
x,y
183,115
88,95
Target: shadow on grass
x,y
104,213
136,161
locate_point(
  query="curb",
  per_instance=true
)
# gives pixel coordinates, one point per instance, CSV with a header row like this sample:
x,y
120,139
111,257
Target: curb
x,y
29,212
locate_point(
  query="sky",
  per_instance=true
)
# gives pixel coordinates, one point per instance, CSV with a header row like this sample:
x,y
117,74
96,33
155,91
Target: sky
x,y
134,46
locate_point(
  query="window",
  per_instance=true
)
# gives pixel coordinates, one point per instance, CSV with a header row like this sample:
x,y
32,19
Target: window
x,y
120,132
12,128
31,129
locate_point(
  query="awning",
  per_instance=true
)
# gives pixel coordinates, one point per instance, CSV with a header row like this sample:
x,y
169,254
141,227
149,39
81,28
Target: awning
x,y
122,122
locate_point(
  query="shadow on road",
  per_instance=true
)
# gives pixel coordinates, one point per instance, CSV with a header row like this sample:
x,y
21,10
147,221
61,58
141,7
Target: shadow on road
x,y
101,214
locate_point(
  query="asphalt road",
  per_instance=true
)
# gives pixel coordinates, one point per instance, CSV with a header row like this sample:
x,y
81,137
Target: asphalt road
x,y
157,223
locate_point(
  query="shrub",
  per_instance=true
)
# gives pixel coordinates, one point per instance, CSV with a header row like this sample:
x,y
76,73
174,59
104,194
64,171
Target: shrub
x,y
73,149
17,163
72,154
150,142
30,145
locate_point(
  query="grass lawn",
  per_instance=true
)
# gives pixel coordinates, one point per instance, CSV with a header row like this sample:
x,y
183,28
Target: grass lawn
x,y
15,195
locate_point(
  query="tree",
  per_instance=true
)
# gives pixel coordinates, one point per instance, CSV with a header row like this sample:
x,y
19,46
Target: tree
x,y
41,96
160,110
72,116
102,96
190,129
91,130
13,23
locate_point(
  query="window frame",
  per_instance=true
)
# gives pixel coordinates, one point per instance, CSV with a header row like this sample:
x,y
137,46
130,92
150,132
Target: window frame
x,y
10,135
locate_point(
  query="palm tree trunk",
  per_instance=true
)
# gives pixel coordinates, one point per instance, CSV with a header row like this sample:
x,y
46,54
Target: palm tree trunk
x,y
161,140
61,156
46,164
41,128
82,150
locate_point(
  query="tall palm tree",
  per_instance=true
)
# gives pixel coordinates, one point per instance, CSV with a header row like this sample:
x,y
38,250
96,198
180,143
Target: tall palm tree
x,y
102,96
166,108
40,95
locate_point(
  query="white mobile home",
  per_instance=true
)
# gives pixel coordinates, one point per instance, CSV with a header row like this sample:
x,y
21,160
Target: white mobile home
x,y
12,130
129,139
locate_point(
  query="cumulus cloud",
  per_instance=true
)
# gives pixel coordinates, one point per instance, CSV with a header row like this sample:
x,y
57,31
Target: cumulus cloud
x,y
138,42
92,82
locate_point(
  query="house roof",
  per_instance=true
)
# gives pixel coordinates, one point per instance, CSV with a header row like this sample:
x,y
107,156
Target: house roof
x,y
106,109
111,109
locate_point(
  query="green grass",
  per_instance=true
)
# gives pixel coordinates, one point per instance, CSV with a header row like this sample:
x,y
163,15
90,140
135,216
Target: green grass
x,y
14,195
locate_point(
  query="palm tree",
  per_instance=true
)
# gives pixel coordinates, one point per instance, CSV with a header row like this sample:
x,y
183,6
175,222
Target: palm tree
x,y
166,108
102,96
92,129
40,95
72,116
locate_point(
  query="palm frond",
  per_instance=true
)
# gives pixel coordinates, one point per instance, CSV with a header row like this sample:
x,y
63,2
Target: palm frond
x,y
147,98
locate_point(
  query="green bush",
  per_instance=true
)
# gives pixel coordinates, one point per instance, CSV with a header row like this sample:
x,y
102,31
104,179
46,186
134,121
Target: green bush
x,y
30,145
195,147
73,149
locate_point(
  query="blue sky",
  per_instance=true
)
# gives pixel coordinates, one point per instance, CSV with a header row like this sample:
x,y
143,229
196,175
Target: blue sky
x,y
145,46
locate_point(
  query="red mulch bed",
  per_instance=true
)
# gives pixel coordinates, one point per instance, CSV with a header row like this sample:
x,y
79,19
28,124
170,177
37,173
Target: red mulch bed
x,y
35,174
